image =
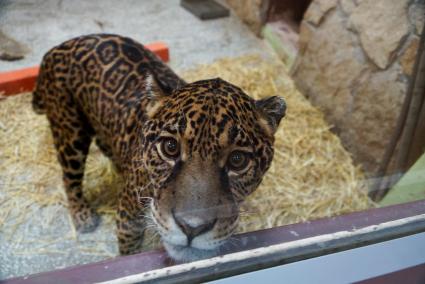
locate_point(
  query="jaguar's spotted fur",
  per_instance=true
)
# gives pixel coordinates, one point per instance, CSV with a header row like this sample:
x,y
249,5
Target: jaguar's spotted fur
x,y
190,153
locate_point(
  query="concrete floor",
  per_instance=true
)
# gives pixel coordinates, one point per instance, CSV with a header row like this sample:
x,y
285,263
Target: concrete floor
x,y
42,24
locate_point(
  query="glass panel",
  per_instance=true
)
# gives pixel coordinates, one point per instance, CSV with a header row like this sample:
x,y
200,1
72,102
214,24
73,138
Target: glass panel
x,y
318,112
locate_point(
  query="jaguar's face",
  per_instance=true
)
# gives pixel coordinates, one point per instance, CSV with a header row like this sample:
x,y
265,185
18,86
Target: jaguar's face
x,y
206,147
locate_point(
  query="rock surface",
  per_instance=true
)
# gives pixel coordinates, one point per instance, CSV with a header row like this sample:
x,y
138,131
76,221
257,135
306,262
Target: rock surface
x,y
10,49
354,62
381,25
318,9
250,11
416,15
407,59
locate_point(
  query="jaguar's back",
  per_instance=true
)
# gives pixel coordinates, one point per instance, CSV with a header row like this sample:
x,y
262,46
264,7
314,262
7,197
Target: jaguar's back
x,y
99,76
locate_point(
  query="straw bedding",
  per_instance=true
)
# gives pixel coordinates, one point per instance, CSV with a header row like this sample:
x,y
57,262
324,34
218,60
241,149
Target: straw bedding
x,y
312,175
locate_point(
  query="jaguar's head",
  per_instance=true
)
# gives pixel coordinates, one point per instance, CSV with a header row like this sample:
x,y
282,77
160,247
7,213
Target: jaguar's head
x,y
206,147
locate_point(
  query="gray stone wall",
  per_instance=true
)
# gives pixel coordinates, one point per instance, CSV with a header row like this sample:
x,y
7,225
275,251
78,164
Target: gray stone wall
x,y
354,62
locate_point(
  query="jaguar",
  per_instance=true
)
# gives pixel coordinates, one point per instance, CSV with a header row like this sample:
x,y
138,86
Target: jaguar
x,y
189,153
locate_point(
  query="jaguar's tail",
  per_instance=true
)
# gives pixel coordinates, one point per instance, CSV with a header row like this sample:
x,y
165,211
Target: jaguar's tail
x,y
38,103
37,95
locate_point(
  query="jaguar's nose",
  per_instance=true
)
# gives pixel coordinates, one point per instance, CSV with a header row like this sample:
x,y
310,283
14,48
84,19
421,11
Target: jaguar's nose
x,y
193,226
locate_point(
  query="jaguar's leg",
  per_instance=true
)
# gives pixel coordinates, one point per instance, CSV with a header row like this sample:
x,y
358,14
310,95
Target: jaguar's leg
x,y
104,148
130,223
72,143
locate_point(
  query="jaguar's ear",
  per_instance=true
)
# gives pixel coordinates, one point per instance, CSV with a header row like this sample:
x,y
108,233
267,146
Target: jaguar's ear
x,y
154,94
271,110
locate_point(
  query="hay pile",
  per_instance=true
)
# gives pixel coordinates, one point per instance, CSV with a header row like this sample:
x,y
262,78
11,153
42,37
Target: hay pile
x,y
312,176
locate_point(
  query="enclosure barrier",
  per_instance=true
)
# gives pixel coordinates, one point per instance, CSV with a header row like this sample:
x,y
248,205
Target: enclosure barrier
x,y
257,250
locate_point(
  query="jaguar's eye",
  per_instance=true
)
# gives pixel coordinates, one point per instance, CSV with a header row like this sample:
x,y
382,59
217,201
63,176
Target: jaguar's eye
x,y
170,148
237,161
